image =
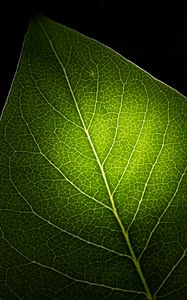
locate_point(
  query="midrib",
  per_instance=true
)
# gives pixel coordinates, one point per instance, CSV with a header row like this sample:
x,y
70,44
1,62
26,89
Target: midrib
x,y
125,234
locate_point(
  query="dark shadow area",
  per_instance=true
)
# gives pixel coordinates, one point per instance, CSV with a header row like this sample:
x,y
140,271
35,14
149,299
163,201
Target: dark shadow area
x,y
150,35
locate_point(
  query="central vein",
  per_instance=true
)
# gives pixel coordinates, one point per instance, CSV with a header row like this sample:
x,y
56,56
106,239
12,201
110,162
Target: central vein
x,y
136,262
125,234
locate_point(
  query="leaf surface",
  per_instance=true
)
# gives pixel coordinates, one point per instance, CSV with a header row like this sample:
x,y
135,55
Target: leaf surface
x,y
93,175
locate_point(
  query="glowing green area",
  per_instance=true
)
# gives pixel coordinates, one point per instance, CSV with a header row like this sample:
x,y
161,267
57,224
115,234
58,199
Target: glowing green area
x,y
93,175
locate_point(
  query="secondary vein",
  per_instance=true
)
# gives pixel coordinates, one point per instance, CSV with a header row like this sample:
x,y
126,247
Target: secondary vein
x,y
65,275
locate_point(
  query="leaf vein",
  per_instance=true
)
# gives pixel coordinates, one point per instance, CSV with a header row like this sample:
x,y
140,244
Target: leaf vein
x,y
68,276
163,213
135,145
152,168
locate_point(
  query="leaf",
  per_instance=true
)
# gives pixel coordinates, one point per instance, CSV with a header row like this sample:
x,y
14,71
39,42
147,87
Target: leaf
x,y
93,175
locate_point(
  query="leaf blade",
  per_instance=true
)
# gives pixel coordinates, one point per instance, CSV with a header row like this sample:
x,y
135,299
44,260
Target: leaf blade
x,y
111,96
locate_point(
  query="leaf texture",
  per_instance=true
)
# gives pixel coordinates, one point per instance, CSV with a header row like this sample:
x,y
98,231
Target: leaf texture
x,y
93,175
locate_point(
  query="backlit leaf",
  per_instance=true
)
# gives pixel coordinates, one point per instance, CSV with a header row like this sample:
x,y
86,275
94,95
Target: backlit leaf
x,y
93,175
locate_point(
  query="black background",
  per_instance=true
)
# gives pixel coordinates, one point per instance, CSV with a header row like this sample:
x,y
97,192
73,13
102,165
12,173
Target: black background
x,y
152,35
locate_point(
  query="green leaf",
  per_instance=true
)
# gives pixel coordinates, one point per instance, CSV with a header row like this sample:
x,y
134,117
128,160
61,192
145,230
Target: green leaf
x,y
93,175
